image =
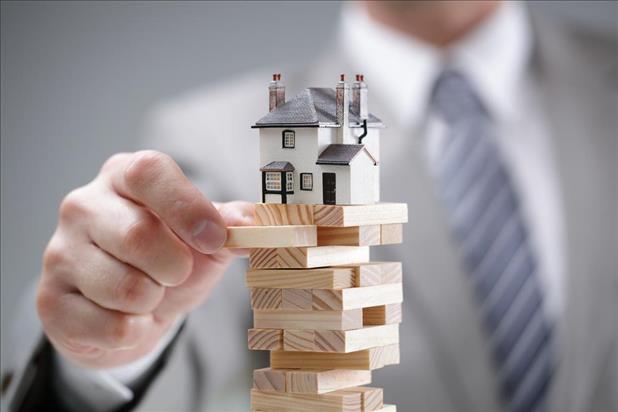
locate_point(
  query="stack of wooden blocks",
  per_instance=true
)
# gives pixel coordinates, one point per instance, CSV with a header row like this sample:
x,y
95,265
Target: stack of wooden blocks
x,y
326,313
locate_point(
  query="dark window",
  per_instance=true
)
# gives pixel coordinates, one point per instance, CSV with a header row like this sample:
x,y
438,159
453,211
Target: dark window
x,y
288,139
306,181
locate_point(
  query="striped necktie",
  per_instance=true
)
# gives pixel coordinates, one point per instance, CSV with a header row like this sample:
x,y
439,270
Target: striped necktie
x,y
493,241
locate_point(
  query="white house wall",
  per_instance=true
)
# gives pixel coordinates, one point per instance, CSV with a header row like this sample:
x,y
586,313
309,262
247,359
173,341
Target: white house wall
x,y
364,180
342,183
303,157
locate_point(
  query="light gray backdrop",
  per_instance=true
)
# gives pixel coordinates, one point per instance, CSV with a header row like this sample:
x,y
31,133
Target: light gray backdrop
x,y
78,78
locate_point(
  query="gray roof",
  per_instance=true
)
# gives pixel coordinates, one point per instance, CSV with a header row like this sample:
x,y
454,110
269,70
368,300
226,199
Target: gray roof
x,y
340,154
278,167
313,107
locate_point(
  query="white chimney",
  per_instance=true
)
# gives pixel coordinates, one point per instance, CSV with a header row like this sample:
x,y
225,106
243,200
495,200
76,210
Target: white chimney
x,y
343,110
276,92
359,97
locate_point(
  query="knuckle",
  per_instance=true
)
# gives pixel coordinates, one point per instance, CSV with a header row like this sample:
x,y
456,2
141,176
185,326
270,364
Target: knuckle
x,y
123,330
140,234
73,206
183,267
139,293
113,161
54,256
46,302
145,166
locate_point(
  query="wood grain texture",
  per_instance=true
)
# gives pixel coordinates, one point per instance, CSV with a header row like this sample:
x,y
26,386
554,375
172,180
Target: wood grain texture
x,y
265,339
318,382
349,236
367,359
344,341
336,401
360,215
391,234
382,315
292,319
270,214
376,273
268,379
354,298
265,298
371,398
298,340
296,299
271,236
320,278
310,257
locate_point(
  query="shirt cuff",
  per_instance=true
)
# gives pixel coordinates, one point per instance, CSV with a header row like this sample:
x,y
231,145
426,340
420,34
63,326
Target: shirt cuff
x,y
105,389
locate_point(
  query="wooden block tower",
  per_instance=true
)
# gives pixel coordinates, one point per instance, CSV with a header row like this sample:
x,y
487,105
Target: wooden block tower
x,y
327,314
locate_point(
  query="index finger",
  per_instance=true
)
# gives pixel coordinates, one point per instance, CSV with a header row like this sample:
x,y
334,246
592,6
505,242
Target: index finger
x,y
154,180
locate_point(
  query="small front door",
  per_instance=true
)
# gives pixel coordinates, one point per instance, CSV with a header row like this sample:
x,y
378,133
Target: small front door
x,y
329,188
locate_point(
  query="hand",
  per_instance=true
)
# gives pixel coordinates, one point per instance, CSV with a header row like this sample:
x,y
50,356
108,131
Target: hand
x,y
134,249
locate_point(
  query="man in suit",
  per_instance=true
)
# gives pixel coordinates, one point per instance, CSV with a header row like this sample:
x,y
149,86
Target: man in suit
x,y
502,139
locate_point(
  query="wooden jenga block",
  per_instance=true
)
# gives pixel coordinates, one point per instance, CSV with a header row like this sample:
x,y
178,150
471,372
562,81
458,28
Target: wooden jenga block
x,y
391,234
382,315
360,215
309,257
321,278
296,299
292,319
336,401
307,381
298,340
271,236
344,341
391,272
268,379
376,273
264,298
265,339
372,399
354,298
270,214
349,236
366,359
387,408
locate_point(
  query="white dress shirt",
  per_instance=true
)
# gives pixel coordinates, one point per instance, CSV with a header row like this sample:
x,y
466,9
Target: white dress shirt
x,y
495,58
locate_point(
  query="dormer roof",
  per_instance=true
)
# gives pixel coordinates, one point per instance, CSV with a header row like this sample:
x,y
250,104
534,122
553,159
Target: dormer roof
x,y
342,154
313,107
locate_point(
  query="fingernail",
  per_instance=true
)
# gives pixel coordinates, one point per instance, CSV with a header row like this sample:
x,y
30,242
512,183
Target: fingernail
x,y
208,236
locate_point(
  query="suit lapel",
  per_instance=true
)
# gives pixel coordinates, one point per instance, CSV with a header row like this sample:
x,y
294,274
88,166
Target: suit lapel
x,y
581,105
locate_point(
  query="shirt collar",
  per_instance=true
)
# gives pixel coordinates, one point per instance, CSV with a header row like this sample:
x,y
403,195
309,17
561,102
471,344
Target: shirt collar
x,y
402,69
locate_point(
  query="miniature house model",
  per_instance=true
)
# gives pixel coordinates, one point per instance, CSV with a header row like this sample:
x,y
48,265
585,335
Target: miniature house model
x,y
322,146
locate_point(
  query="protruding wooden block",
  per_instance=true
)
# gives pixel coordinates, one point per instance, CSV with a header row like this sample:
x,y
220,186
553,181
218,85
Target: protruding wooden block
x,y
360,215
264,298
349,236
268,379
367,359
309,257
270,214
387,408
265,339
271,236
391,234
377,273
382,315
320,278
371,398
354,298
303,381
344,341
296,299
324,319
337,401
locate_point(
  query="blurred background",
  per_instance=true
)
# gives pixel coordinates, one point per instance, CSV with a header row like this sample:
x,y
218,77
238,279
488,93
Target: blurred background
x,y
78,79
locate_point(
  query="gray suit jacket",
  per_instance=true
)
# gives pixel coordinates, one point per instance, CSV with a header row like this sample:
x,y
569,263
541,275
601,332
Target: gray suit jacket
x,y
445,364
